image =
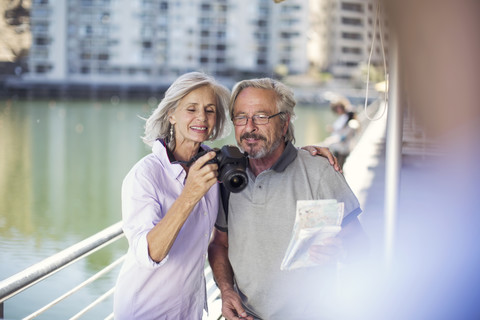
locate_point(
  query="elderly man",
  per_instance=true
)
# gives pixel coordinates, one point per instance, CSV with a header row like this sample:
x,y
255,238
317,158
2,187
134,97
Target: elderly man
x,y
251,238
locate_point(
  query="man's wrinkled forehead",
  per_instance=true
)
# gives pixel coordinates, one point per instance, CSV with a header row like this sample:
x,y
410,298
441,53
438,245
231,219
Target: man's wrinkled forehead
x,y
255,100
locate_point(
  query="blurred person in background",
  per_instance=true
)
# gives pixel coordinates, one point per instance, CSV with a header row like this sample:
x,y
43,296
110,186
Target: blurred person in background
x,y
342,131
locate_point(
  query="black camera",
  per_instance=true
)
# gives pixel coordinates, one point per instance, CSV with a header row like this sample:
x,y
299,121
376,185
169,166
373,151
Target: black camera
x,y
232,165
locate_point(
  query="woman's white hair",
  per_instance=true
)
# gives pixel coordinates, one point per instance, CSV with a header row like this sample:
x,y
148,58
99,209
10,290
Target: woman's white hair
x,y
285,101
158,126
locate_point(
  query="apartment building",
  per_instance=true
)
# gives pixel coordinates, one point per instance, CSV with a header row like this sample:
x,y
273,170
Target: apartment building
x,y
265,36
342,34
125,41
151,42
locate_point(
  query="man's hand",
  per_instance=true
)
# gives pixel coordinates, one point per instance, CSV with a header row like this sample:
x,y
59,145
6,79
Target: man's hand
x,y
324,152
232,306
330,251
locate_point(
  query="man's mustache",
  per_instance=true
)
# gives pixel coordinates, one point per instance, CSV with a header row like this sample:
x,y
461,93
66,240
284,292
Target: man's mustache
x,y
252,136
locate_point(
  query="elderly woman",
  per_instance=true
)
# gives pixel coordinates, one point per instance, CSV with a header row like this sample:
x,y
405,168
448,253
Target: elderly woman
x,y
169,209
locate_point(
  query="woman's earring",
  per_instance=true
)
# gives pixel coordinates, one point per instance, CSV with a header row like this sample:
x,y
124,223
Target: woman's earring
x,y
171,132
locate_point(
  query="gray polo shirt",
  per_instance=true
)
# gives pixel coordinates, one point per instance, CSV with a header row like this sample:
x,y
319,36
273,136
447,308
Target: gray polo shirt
x,y
260,224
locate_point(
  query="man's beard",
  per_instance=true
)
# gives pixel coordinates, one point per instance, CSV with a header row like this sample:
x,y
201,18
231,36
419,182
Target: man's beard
x,y
263,151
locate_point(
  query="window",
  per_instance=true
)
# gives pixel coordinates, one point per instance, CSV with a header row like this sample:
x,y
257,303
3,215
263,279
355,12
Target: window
x,y
221,35
41,41
40,27
348,6
88,30
262,23
103,56
85,56
289,35
40,53
351,35
41,68
86,3
351,21
261,62
352,50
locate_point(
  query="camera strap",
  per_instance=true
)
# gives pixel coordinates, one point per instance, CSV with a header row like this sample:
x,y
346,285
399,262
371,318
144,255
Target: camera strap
x,y
225,195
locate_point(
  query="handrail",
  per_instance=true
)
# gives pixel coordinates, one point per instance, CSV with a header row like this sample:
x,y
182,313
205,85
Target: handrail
x,y
49,266
43,269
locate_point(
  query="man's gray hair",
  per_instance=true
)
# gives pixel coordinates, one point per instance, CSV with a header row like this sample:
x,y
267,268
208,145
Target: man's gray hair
x,y
285,102
157,126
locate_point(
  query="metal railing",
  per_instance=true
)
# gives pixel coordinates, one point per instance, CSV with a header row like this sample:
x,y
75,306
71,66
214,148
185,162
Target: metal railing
x,y
51,265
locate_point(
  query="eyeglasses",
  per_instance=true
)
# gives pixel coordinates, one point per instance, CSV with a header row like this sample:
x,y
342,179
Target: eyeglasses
x,y
257,119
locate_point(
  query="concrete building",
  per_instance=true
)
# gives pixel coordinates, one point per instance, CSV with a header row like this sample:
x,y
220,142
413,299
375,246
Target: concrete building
x,y
146,44
266,37
106,41
141,46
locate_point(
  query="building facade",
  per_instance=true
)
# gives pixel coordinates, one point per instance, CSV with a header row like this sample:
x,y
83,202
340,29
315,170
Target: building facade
x,y
146,44
343,33
143,41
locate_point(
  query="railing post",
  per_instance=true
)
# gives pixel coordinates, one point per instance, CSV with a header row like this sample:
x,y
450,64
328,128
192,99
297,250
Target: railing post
x,y
393,158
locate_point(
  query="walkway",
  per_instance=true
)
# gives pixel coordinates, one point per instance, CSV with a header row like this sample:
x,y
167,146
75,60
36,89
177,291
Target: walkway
x,y
364,171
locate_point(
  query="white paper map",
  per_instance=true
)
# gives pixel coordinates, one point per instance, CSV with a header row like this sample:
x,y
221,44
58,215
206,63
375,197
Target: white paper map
x,y
315,221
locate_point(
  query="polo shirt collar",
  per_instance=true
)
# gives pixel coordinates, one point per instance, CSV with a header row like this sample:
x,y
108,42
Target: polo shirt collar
x,y
287,157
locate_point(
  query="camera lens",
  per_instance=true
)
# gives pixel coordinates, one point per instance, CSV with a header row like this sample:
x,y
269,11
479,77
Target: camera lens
x,y
235,181
232,166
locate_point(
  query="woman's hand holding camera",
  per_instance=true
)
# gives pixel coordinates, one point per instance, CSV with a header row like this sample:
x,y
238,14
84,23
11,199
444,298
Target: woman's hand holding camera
x,y
201,176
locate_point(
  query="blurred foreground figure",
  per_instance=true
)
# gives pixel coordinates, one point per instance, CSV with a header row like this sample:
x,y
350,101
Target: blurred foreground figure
x,y
434,274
